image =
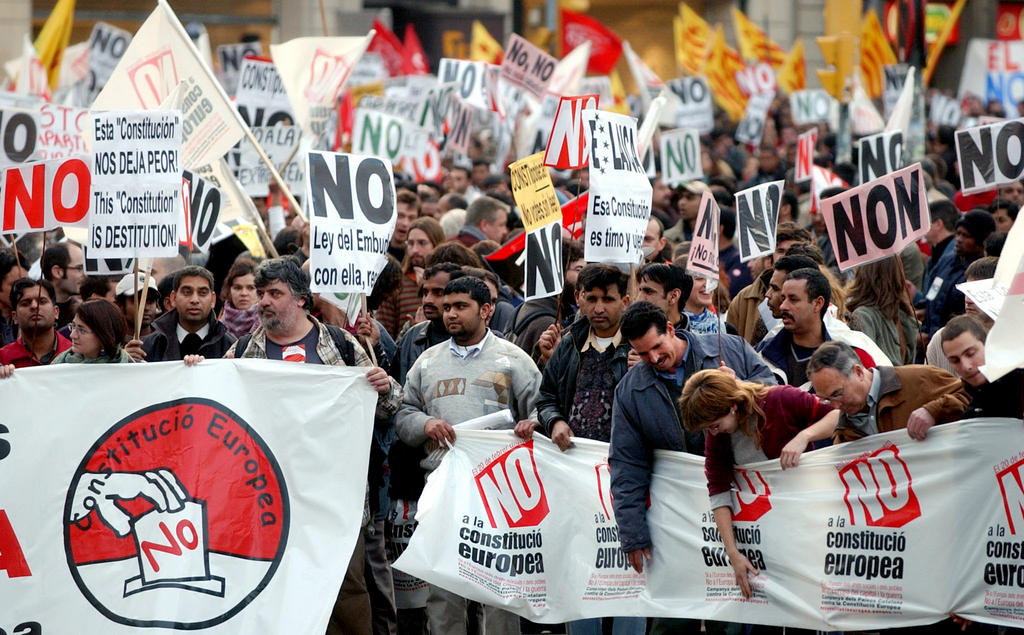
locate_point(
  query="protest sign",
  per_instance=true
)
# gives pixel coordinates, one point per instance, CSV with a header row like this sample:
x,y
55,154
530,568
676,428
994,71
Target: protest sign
x,y
945,111
19,136
396,105
106,266
192,502
619,205
693,108
234,204
375,133
805,147
756,79
566,147
46,195
993,70
107,44
202,204
314,71
526,527
460,123
880,154
751,128
532,131
160,57
600,86
230,57
280,143
1003,350
434,109
534,192
703,257
757,217
527,66
569,71
60,131
543,267
470,80
427,167
261,98
984,157
368,70
680,156
877,219
810,106
895,77
352,211
986,294
137,188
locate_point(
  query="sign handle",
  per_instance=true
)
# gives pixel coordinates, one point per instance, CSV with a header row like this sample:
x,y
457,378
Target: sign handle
x,y
274,173
140,305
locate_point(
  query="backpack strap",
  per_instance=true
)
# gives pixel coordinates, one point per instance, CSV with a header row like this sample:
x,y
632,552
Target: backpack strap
x,y
241,344
343,344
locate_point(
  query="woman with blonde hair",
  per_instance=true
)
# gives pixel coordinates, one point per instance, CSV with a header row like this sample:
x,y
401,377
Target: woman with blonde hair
x,y
744,423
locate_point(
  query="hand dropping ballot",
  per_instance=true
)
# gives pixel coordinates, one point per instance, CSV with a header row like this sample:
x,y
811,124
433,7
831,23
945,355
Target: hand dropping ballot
x,y
172,552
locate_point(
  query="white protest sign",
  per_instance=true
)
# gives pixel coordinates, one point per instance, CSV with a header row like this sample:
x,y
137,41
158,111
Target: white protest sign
x,y
46,195
600,86
60,131
619,205
703,256
375,133
460,124
880,154
532,131
234,202
877,219
680,156
993,70
198,224
756,79
368,70
895,77
19,136
543,268
757,216
352,211
106,266
810,106
693,107
470,79
985,158
944,111
192,503
137,187
434,109
566,147
805,147
751,128
986,294
107,44
527,66
261,98
570,70
279,142
230,58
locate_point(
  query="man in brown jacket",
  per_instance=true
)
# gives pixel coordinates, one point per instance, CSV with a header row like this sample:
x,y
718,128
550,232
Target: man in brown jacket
x,y
883,399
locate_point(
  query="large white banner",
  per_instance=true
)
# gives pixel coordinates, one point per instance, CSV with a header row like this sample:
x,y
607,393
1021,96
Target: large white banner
x,y
225,497
879,533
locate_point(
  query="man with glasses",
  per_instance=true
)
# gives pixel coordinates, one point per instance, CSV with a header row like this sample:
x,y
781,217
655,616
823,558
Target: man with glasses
x,y
63,265
35,310
191,328
884,398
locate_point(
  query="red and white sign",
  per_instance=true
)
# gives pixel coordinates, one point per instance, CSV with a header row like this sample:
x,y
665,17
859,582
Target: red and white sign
x,y
703,258
567,144
527,66
511,489
805,145
46,195
753,496
879,489
60,131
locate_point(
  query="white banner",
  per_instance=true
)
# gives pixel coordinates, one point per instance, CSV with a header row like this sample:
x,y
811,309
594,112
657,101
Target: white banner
x,y
944,111
993,71
880,154
680,156
895,77
693,109
225,497
470,79
543,267
757,217
60,131
378,134
203,201
107,44
529,528
280,143
352,212
619,204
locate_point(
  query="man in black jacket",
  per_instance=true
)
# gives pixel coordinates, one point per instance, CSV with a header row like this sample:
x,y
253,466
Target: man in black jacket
x,y
190,328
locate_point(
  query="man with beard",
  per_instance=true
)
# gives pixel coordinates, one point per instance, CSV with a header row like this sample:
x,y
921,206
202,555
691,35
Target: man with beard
x,y
424,234
288,332
190,328
10,271
35,310
474,373
63,265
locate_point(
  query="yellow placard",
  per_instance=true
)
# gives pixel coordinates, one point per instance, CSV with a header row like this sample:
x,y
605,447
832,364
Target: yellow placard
x,y
534,192
358,92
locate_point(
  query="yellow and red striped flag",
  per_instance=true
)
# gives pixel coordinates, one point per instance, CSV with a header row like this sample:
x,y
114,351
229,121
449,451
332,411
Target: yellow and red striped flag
x,y
720,70
793,74
692,41
875,53
754,44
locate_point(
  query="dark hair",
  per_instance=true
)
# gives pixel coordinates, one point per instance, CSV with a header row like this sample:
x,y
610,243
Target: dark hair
x,y
94,285
409,198
982,268
288,241
789,264
994,244
1001,203
727,218
8,261
791,199
287,271
441,267
475,287
164,287
944,210
58,255
459,167
22,284
454,252
963,324
807,250
839,356
386,285
598,275
669,277
480,274
106,322
192,271
241,267
791,231
456,200
572,250
639,317
817,285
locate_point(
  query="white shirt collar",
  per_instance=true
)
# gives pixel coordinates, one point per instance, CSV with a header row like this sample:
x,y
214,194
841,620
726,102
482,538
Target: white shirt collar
x,y
465,352
181,332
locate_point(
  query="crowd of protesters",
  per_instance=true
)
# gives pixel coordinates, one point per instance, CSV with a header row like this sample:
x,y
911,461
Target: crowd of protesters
x,y
780,354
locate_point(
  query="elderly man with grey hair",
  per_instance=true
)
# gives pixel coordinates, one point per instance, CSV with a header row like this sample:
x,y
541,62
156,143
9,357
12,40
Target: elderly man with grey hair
x,y
884,398
486,219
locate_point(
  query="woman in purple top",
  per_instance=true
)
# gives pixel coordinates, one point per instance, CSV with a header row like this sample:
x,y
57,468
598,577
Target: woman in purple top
x,y
744,423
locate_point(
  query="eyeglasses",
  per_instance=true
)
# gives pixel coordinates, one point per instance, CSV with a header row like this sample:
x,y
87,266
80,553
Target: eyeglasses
x,y
75,267
836,396
80,329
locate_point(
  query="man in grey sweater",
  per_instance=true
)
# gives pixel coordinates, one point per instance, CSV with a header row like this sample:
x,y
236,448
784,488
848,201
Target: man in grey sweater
x,y
473,374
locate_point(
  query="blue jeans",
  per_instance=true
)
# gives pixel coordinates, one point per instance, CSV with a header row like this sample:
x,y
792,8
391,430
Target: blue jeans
x,y
620,626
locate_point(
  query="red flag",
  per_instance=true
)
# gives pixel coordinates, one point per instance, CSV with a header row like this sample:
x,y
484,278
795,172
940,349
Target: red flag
x,y
415,56
390,48
567,141
605,46
572,220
